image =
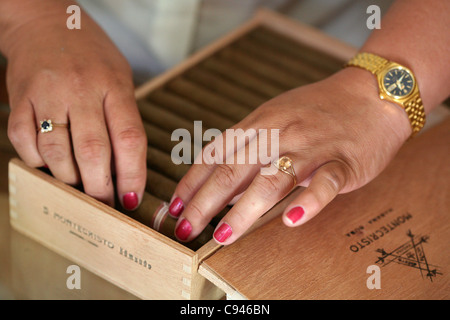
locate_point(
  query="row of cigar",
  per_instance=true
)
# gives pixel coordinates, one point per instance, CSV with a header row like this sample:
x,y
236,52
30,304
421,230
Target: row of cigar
x,y
219,91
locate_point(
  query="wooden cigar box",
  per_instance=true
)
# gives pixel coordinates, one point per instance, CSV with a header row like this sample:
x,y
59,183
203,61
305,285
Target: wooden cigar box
x,y
220,85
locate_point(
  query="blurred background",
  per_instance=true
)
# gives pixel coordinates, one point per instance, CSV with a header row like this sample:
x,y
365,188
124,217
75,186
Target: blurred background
x,y
156,34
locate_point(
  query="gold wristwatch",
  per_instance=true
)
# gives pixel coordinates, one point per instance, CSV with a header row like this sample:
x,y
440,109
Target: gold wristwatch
x,y
397,84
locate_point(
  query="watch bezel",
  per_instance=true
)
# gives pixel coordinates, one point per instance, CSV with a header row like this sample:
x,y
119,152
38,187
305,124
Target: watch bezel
x,y
384,92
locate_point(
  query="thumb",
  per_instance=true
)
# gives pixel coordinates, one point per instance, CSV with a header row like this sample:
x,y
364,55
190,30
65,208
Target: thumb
x,y
325,185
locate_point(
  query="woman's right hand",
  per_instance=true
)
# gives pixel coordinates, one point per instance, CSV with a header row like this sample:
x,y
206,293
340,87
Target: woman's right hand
x,y
79,78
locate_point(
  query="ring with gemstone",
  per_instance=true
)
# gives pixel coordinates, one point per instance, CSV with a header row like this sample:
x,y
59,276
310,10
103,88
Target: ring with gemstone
x,y
286,165
48,125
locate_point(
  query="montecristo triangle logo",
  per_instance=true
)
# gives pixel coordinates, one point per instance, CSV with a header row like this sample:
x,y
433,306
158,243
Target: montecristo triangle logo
x,y
410,254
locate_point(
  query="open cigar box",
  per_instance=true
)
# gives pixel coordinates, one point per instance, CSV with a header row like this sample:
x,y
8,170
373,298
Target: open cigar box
x,y
404,232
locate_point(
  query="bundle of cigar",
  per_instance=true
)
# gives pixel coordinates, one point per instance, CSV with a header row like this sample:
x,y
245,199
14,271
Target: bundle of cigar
x,y
219,91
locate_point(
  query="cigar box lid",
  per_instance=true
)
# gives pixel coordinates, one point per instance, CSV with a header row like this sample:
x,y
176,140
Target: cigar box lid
x,y
387,240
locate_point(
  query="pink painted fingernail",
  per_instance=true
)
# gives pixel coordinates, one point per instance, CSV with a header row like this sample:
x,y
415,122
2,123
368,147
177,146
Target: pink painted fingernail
x,y
223,232
183,230
176,207
130,201
295,214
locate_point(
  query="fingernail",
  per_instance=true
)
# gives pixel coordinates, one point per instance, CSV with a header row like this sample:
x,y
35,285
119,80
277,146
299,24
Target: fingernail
x,y
223,232
183,230
295,214
176,207
130,201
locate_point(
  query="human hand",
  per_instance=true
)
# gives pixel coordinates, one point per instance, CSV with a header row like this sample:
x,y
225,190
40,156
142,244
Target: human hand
x,y
337,132
76,77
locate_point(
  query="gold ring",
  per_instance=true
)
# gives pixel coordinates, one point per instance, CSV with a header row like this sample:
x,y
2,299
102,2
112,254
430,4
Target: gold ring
x,y
48,125
286,165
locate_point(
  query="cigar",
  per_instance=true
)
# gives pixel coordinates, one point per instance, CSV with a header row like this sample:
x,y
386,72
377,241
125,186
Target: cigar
x,y
297,50
189,110
162,162
208,99
298,67
235,74
154,213
162,118
158,138
259,68
162,140
224,87
159,185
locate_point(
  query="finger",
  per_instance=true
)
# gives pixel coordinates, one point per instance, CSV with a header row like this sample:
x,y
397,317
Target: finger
x,y
129,143
22,133
223,184
92,149
56,149
188,186
263,193
236,198
325,185
215,153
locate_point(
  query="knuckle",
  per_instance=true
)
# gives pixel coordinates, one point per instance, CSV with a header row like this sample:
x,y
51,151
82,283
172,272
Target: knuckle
x,y
330,185
187,186
77,77
92,149
134,176
78,74
333,181
18,132
291,128
225,176
53,151
122,78
337,178
196,212
243,218
132,138
268,185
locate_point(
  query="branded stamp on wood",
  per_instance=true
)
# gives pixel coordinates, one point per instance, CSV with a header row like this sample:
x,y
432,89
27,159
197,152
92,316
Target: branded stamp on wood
x,y
411,254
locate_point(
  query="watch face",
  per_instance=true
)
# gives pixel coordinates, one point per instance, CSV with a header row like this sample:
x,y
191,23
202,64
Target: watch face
x,y
398,82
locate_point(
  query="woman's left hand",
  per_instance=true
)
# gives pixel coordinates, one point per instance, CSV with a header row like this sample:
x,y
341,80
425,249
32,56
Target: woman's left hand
x,y
338,134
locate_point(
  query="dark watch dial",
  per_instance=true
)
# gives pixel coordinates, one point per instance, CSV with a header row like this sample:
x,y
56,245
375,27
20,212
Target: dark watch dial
x,y
398,82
